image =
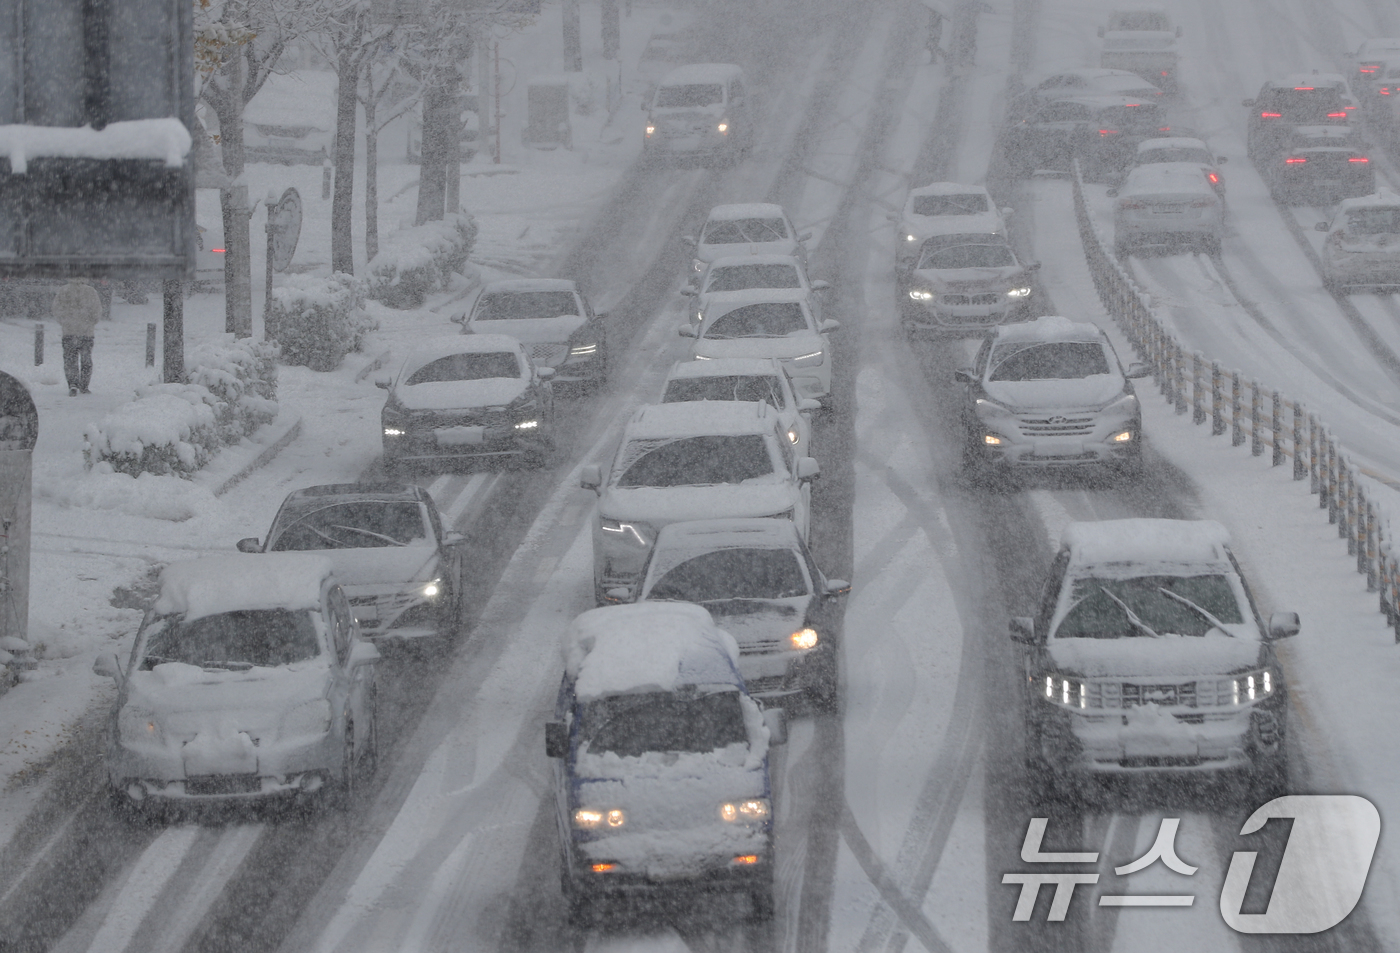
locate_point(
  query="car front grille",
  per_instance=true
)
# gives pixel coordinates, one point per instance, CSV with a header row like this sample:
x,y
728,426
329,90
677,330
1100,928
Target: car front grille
x,y
210,785
1058,426
478,417
549,355
963,300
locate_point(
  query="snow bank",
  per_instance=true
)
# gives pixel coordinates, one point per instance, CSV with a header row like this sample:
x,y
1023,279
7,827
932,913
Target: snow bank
x,y
317,321
165,140
416,261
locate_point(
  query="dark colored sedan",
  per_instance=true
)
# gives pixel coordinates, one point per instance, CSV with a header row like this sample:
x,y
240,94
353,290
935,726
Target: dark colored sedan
x,y
552,318
1321,167
1103,132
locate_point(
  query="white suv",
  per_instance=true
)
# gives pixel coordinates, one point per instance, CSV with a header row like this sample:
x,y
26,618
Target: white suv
x,y
689,461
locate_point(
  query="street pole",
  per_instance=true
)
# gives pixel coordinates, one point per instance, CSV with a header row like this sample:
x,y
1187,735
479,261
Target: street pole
x,y
573,42
496,88
270,200
173,333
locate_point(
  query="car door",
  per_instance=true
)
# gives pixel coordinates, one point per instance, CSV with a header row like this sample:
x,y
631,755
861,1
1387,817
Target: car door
x,y
802,499
340,631
798,420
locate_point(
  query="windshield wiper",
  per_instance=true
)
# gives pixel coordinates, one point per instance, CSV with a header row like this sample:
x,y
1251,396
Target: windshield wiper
x,y
1132,616
226,664
1216,623
369,532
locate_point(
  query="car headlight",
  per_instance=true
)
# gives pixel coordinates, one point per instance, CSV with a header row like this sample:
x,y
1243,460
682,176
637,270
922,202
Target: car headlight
x,y
911,238
1253,686
1125,404
993,440
792,435
1122,436
650,129
697,265
804,638
138,724
431,589
310,718
531,424
594,818
1066,691
753,809
919,294
985,405
723,128
584,350
393,431
639,534
1019,291
813,359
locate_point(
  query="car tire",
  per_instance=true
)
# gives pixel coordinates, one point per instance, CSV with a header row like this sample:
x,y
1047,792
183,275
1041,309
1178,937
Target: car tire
x,y
1130,467
823,695
763,903
342,790
580,910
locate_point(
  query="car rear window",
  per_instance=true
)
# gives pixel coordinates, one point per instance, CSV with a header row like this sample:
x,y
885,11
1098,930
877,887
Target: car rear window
x,y
692,94
1303,105
525,305
767,319
362,524
731,231
1176,605
234,640
1140,116
742,277
1175,154
950,204
734,574
1373,221
729,387
466,367
1058,360
633,725
697,461
968,256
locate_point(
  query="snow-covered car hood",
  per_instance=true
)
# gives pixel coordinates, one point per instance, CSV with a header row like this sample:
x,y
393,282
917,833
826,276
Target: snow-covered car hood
x,y
1081,393
461,395
187,699
683,113
792,345
356,568
968,279
533,330
756,621
927,226
1166,655
662,505
709,252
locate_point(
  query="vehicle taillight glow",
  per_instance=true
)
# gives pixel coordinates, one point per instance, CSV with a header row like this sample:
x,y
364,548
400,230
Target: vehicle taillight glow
x,y
1295,160
1340,115
1384,90
1305,88
1358,159
1271,115
1368,68
1214,179
219,250
1108,132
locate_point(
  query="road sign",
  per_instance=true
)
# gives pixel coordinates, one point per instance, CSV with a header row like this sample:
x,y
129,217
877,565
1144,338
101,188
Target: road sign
x,y
284,228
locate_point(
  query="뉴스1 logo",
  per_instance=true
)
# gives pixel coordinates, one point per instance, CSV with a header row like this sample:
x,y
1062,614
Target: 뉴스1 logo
x,y
1319,882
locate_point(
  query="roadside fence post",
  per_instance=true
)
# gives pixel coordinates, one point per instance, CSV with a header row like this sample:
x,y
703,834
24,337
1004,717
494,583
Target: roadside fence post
x,y
1332,480
38,343
1179,376
1299,464
1236,399
1277,422
1347,488
1366,548
1217,401
1256,410
1314,445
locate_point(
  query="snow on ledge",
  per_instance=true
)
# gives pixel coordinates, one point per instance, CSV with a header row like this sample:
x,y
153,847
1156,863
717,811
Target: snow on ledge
x,y
165,139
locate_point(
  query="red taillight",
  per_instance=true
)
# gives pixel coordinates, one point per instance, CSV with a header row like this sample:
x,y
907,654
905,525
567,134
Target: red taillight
x,y
1213,178
1368,69
219,250
1131,105
1301,88
1271,115
1384,90
1165,73
1108,132
1164,128
1295,160
1358,159
1340,115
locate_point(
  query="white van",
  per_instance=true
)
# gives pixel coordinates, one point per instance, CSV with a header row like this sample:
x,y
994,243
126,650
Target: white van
x,y
699,110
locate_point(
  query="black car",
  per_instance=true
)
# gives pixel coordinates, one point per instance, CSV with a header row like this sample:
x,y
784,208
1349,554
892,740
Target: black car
x,y
399,566
552,318
1284,104
1102,131
1320,166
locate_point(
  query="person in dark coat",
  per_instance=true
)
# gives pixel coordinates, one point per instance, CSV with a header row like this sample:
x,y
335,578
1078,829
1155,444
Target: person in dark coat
x,y
77,309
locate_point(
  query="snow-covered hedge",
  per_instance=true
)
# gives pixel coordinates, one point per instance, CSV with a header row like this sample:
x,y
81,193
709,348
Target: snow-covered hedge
x,y
317,321
177,428
416,261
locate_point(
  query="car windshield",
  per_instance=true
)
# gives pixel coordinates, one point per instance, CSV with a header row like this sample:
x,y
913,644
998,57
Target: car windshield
x,y
1374,221
1303,105
969,204
734,574
363,524
740,277
237,640
466,367
767,319
1175,154
1050,361
1161,605
968,256
692,94
763,387
524,305
633,725
697,461
738,230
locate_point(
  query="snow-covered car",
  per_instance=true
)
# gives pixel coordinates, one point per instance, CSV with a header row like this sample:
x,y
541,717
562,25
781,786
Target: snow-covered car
x,y
747,228
1167,203
759,582
291,119
746,378
465,397
554,321
661,762
248,680
1362,248
1142,42
763,322
1088,81
1183,149
1147,654
1372,60
1101,130
398,566
700,109
688,461
1321,165
966,282
944,208
741,272
1283,104
1050,393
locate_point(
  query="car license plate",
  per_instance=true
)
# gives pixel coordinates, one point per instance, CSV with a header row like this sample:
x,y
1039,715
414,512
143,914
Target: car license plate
x,y
1058,449
460,436
1168,209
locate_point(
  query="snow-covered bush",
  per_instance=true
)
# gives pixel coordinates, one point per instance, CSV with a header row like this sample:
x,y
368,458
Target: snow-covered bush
x,y
317,321
177,428
416,261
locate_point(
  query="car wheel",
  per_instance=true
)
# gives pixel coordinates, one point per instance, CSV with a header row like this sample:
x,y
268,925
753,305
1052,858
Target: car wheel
x,y
125,809
824,695
581,910
763,904
347,783
369,759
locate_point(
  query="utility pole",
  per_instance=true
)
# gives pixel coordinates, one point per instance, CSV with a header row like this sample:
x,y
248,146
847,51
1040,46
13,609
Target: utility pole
x,y
573,44
612,29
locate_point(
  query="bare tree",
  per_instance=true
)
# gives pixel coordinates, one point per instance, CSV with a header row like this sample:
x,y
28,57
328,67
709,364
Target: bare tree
x,y
382,74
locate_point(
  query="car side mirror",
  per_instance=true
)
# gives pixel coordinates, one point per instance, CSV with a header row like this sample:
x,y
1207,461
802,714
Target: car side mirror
x,y
249,545
619,594
1112,193
590,477
686,331
459,318
602,315
689,291
384,382
545,373
1033,266
964,376
1137,370
556,739
454,539
363,653
1320,226
1022,629
808,468
836,588
805,236
820,285
1283,625
107,666
805,404
689,240
830,325
775,720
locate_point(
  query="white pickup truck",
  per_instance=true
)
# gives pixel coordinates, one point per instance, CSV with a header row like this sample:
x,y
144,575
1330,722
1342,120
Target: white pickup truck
x,y
1142,42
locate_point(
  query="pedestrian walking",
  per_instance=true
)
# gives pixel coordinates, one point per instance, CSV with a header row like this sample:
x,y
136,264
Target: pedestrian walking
x,y
77,309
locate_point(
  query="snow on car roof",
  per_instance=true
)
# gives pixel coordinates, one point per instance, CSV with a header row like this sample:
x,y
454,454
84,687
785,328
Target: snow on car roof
x,y
1165,176
647,647
406,492
700,73
948,188
461,344
1171,142
530,284
733,299
1316,80
1147,541
1382,199
700,418
725,213
208,586
767,258
763,532
724,367
1050,327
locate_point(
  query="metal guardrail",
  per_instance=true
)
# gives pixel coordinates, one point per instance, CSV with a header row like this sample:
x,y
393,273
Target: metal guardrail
x,y
1191,381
